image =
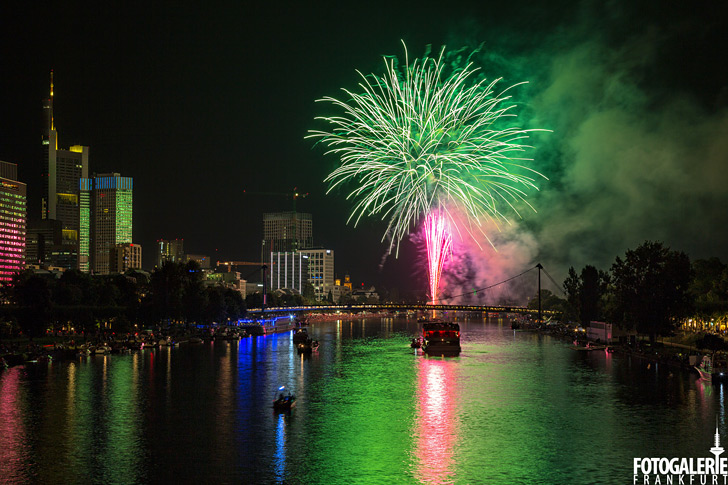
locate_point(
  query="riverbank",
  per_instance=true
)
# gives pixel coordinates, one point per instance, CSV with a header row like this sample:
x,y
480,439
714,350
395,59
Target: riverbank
x,y
674,352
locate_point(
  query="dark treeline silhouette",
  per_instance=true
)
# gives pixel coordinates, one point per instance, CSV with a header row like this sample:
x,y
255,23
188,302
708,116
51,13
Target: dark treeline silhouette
x,y
37,303
651,289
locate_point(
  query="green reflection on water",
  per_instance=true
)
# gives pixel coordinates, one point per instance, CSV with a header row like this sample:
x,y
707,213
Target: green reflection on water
x,y
360,412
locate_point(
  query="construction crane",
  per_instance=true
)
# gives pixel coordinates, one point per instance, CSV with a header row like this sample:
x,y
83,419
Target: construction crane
x,y
295,195
230,264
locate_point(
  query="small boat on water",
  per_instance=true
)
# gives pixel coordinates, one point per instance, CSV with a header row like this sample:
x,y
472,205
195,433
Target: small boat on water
x,y
102,349
300,336
440,338
705,369
307,347
711,370
283,402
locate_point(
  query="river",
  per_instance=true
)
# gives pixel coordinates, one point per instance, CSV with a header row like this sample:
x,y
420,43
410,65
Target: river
x,y
514,407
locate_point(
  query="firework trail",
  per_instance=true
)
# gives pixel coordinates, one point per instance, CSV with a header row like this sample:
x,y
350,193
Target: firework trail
x,y
439,246
422,139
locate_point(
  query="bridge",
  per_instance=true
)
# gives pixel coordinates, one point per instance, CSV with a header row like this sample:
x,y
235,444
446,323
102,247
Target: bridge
x,y
402,307
539,312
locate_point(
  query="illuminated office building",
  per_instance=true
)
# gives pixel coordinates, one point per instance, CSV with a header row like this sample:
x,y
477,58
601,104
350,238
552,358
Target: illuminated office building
x,y
105,218
288,270
124,257
170,250
63,168
320,270
12,222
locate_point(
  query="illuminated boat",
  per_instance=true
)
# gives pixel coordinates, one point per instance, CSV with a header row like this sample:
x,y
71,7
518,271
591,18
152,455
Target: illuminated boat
x,y
440,338
710,371
284,403
300,336
307,347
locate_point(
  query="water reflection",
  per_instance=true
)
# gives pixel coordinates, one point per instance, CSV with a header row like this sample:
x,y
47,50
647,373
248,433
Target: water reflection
x,y
436,429
13,443
280,453
513,408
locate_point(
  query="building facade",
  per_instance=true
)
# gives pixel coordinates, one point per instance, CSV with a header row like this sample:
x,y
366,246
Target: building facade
x,y
320,270
63,168
123,257
170,250
106,219
288,270
202,259
41,239
286,232
13,213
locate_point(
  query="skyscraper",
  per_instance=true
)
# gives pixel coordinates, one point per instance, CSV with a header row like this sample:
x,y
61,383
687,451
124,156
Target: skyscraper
x,y
106,205
63,168
12,222
286,232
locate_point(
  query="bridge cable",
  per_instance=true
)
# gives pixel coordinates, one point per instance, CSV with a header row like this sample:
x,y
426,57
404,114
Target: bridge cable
x,y
489,287
555,284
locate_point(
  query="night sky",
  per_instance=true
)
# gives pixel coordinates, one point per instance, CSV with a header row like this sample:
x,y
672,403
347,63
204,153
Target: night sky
x,y
200,103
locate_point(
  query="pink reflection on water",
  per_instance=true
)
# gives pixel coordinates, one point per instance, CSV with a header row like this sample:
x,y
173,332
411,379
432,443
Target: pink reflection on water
x,y
13,448
435,422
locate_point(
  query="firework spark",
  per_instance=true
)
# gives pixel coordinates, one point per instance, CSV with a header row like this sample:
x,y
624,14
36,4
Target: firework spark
x,y
423,138
439,246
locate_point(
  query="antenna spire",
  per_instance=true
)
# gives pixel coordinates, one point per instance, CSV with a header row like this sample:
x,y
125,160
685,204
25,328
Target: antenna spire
x,y
51,102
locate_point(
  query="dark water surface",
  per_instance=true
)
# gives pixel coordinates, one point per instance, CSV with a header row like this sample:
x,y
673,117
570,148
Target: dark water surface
x,y
513,408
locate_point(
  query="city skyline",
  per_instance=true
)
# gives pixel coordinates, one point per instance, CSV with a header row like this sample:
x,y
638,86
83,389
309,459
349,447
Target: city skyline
x,y
199,110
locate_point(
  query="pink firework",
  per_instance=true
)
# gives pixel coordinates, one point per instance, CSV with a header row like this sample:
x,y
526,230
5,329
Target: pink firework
x,y
439,246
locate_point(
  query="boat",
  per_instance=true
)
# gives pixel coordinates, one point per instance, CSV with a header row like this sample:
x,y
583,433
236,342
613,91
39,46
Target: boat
x,y
300,336
705,369
195,340
711,370
284,402
102,349
307,347
440,338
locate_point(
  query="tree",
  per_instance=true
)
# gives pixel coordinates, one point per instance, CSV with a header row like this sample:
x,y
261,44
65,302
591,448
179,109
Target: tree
x,y
32,295
712,342
572,288
709,287
166,292
651,289
549,301
193,292
308,292
586,294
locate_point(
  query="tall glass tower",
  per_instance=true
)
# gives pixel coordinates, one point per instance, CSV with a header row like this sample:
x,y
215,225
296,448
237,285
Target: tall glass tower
x,y
12,222
63,168
106,206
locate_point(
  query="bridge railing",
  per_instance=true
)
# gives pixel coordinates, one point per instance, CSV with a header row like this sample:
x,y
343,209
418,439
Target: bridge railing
x,y
404,307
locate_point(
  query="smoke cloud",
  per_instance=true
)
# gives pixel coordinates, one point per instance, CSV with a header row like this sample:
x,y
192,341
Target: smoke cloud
x,y
638,148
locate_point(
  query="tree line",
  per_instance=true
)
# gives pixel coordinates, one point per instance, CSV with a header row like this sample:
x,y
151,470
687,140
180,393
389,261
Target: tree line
x,y
36,303
651,289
